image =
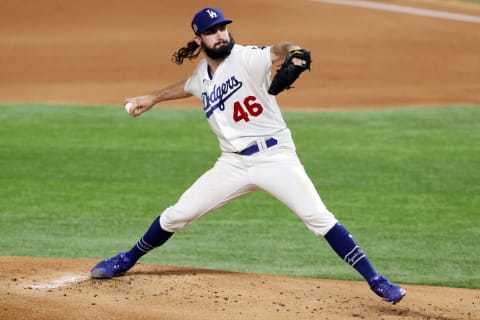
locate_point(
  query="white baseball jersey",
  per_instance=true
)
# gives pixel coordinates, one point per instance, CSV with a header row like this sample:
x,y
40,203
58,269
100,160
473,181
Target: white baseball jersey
x,y
243,114
235,99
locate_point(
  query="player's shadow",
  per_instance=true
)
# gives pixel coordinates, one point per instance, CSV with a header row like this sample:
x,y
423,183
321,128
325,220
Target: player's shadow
x,y
177,271
408,313
163,271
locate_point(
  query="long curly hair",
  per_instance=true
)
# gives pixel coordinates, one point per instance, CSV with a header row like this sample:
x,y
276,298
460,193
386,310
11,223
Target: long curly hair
x,y
190,52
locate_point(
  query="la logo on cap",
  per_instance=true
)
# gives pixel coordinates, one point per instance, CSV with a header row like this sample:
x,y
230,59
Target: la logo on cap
x,y
212,14
206,19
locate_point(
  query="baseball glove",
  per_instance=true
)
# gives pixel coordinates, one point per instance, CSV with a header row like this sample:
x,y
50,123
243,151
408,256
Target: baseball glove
x,y
289,72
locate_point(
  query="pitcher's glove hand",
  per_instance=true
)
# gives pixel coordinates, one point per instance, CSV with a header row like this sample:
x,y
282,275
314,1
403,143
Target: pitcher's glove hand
x,y
290,70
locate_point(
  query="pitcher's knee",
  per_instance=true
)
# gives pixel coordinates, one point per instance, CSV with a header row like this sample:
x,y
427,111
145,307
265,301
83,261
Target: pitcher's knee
x,y
172,220
322,230
321,223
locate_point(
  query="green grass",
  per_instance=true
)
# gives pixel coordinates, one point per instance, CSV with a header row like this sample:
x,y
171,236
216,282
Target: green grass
x,y
87,181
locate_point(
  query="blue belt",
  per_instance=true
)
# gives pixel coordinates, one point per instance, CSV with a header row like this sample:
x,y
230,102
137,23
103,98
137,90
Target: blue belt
x,y
254,148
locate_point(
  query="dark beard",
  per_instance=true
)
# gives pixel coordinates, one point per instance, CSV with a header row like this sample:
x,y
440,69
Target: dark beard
x,y
221,53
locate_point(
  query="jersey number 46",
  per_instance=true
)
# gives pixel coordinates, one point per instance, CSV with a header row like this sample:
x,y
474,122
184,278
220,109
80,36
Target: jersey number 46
x,y
250,108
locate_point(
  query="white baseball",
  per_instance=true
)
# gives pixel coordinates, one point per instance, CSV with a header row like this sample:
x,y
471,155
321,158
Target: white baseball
x,y
129,107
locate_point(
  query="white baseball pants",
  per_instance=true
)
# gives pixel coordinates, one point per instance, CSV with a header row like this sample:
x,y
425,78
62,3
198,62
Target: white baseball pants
x,y
277,171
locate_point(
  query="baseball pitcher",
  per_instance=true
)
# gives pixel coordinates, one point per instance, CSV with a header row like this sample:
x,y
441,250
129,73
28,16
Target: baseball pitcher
x,y
234,84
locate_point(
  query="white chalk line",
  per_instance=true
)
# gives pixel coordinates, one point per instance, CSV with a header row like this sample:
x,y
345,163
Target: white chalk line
x,y
60,282
405,10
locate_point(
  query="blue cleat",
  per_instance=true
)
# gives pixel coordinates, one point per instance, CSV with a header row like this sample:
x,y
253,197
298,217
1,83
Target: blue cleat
x,y
390,292
114,266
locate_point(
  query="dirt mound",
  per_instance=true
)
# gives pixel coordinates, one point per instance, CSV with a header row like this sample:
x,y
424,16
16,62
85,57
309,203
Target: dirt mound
x,y
41,288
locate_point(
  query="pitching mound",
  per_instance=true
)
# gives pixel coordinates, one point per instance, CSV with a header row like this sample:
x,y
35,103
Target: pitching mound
x,y
42,288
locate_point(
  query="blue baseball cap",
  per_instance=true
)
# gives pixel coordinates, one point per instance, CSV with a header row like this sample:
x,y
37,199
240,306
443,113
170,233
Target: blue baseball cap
x,y
206,19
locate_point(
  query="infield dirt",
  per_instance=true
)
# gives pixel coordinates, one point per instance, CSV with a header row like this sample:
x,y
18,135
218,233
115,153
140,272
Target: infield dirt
x,y
100,52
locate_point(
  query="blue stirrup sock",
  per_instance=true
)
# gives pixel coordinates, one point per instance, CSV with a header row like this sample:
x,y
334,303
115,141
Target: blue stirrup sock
x,y
345,246
153,238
